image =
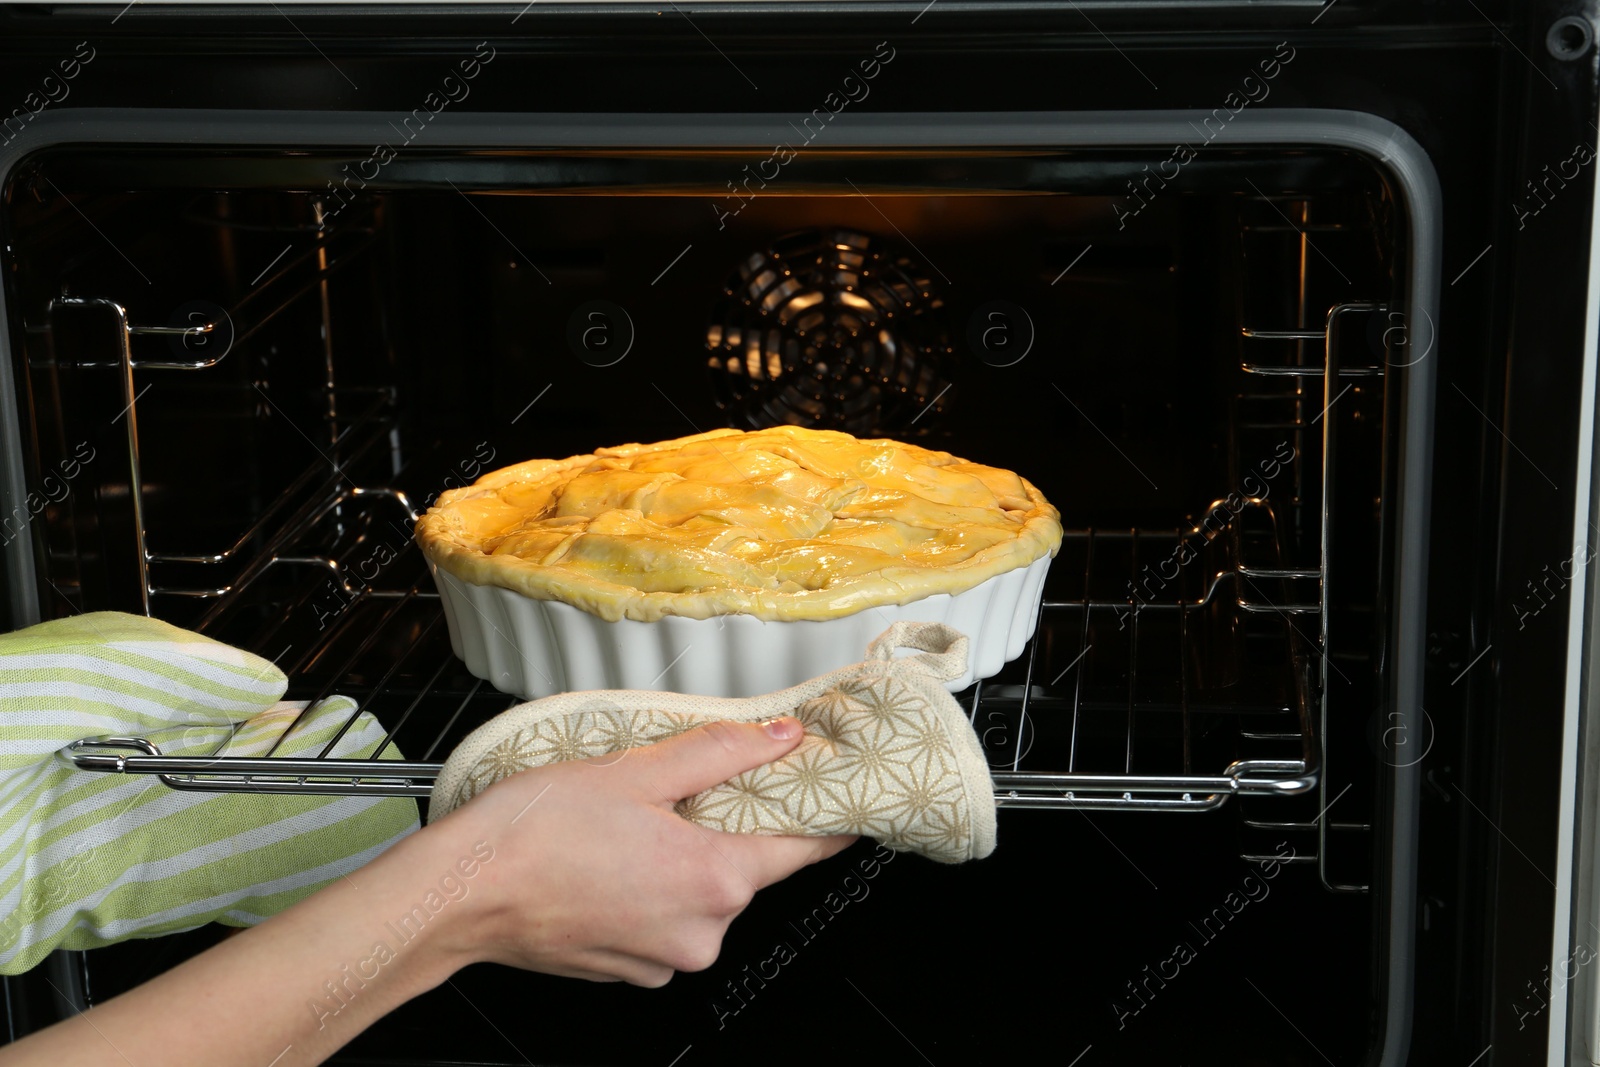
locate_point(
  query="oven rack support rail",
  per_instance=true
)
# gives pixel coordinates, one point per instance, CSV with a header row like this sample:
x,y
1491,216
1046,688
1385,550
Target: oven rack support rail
x,y
1331,370
302,274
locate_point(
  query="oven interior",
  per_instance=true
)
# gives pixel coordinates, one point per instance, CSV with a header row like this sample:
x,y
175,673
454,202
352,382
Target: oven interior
x,y
1196,378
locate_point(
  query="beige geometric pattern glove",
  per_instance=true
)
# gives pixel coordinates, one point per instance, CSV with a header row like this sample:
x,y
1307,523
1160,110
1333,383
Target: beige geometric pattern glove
x,y
888,752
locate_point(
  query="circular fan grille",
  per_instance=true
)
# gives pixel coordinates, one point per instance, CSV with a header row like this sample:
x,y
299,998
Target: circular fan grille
x,y
829,329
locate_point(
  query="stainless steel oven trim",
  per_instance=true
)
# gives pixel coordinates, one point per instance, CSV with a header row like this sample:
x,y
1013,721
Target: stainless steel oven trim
x,y
1402,159
1574,1025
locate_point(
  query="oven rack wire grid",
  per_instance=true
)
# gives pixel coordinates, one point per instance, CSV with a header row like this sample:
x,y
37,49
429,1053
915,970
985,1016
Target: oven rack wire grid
x,y
1126,699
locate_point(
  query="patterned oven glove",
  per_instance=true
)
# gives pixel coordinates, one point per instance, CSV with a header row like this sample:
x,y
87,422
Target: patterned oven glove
x,y
88,859
888,752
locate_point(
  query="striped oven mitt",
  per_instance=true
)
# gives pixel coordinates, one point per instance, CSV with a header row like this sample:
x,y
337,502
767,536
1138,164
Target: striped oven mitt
x,y
88,859
888,752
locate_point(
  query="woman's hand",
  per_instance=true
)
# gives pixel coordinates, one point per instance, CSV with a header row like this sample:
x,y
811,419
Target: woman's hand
x,y
594,875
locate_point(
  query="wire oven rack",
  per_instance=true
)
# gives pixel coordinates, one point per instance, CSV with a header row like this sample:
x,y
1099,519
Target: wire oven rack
x,y
1129,730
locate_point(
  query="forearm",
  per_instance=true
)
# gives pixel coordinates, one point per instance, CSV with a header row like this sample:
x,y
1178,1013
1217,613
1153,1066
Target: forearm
x,y
298,986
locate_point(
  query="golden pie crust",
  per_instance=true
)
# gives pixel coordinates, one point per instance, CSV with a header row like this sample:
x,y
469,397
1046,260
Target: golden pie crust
x,y
782,524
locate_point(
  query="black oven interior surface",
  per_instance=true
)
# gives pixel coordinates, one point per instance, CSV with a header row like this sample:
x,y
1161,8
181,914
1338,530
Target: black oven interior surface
x,y
279,349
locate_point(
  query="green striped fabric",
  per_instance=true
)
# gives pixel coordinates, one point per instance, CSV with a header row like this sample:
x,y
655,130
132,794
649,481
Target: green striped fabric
x,y
89,859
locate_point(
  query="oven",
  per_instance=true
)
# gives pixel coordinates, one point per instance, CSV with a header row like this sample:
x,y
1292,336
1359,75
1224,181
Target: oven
x,y
1287,306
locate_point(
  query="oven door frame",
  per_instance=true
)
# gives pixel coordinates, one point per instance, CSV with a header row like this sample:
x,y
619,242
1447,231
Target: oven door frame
x,y
1389,148
1574,1026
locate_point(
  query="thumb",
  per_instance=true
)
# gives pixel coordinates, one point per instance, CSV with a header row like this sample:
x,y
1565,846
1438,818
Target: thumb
x,y
709,755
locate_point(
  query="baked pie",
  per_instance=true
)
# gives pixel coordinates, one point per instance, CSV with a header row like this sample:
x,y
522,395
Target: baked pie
x,y
730,564
782,524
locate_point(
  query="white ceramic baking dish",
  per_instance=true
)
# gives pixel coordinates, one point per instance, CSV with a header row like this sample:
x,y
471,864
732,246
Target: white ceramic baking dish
x,y
534,648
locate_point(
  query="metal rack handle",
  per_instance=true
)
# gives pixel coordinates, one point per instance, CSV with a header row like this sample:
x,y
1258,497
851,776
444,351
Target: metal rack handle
x,y
345,777
364,777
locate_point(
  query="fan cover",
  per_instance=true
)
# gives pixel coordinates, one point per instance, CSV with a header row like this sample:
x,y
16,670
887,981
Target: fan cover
x,y
832,330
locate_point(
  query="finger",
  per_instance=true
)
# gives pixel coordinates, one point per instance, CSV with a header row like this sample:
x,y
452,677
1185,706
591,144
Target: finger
x,y
765,860
709,755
